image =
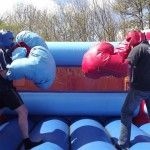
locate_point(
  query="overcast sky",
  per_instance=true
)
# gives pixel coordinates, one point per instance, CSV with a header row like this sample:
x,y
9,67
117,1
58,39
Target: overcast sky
x,y
7,5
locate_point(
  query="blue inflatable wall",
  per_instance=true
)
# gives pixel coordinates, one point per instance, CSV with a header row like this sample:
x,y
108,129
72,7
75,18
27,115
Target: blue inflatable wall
x,y
70,53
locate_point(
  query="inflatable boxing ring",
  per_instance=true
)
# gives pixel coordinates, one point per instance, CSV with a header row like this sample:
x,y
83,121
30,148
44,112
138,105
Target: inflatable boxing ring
x,y
69,118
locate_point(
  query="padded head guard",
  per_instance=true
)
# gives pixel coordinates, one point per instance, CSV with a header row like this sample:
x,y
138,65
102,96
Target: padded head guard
x,y
6,39
135,37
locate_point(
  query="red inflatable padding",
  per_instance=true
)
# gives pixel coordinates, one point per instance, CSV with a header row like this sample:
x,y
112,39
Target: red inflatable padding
x,y
2,119
142,116
100,61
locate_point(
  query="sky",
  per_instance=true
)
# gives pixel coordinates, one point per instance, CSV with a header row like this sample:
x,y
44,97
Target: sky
x,y
52,5
8,5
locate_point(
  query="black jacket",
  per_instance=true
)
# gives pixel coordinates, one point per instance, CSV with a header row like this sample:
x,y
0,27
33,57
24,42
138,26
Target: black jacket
x,y
139,59
4,60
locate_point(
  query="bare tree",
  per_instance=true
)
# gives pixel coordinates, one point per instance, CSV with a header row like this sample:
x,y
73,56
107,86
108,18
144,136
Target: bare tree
x,y
105,21
135,12
76,21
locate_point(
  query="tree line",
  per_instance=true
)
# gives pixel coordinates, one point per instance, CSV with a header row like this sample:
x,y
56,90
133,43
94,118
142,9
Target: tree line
x,y
80,21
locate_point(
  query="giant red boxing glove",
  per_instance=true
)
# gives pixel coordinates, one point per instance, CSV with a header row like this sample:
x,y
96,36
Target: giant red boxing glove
x,y
132,39
95,56
100,60
116,67
123,49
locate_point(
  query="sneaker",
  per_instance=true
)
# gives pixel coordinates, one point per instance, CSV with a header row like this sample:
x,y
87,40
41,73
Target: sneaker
x,y
118,147
30,144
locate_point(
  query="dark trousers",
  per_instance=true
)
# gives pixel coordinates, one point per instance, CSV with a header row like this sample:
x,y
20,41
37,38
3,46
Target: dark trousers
x,y
133,100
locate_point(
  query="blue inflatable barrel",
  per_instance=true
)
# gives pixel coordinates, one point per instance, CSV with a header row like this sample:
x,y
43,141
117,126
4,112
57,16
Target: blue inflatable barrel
x,y
89,134
137,135
54,132
10,135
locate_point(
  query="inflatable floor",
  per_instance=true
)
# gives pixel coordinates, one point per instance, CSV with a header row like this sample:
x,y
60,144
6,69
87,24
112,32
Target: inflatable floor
x,y
72,119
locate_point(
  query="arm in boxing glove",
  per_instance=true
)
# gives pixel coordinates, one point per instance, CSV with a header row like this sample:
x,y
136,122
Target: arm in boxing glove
x,y
116,67
100,61
147,34
31,39
96,57
18,53
123,49
132,39
23,45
